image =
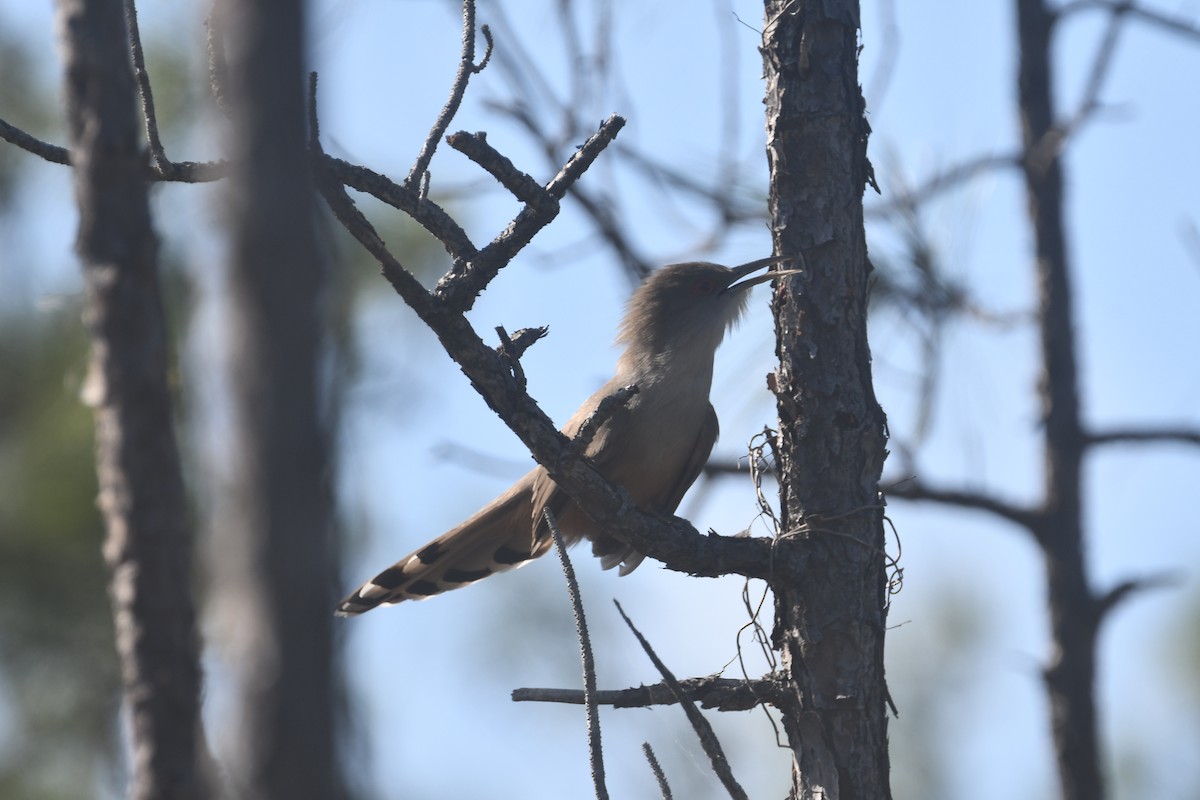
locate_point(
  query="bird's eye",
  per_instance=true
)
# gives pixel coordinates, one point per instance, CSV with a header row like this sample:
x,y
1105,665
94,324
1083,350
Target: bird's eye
x,y
703,287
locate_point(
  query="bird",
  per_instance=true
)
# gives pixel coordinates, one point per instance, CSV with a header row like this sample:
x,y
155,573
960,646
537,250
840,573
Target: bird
x,y
654,446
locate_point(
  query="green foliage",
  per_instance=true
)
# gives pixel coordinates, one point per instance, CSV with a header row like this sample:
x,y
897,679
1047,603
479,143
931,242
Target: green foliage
x,y
57,664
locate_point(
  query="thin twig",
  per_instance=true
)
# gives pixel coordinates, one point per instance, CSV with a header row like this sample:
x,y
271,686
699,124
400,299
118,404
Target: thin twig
x,y
163,168
160,167
466,68
314,119
31,144
422,210
331,187
657,769
1101,65
595,752
181,172
582,158
708,739
158,157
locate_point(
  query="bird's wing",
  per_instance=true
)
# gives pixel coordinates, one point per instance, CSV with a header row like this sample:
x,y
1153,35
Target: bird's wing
x,y
572,523
672,496
674,467
663,498
497,538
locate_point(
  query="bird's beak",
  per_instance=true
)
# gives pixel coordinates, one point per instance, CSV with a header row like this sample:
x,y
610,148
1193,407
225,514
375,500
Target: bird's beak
x,y
741,272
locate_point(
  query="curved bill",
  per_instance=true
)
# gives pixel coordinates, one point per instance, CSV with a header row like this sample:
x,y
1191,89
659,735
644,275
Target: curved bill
x,y
745,269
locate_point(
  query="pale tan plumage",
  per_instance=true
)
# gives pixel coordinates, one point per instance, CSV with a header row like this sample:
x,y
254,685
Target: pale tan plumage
x,y
654,447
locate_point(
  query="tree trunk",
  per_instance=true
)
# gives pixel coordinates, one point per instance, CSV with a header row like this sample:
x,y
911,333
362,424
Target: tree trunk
x,y
274,566
147,544
830,624
1071,674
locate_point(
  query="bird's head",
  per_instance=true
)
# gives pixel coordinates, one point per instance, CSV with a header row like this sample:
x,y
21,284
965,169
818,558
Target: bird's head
x,y
686,308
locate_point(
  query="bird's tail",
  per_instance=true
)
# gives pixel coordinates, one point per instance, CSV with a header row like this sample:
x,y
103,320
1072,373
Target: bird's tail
x,y
501,536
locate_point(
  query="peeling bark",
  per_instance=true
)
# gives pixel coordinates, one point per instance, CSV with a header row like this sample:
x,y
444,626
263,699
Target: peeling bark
x,y
830,620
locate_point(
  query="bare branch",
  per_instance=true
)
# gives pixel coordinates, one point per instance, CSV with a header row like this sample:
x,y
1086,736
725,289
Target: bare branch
x,y
31,144
414,203
466,68
582,158
162,167
553,116
595,752
911,489
459,288
190,172
522,186
1123,590
722,469
1158,19
602,215
722,694
422,210
183,172
158,157
353,220
708,739
1047,146
1179,435
656,768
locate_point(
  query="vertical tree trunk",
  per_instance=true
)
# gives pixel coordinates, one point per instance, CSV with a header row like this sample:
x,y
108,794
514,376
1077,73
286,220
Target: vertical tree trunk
x,y
147,543
1071,674
274,568
830,625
